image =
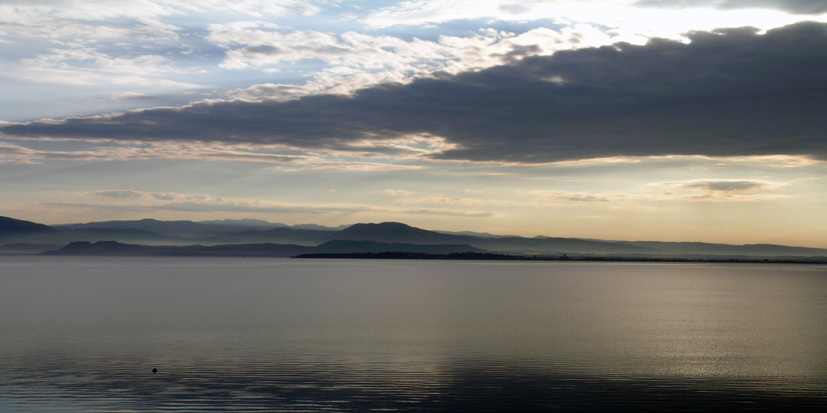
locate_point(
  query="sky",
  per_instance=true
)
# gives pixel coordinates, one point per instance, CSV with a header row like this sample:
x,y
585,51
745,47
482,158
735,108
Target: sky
x,y
679,120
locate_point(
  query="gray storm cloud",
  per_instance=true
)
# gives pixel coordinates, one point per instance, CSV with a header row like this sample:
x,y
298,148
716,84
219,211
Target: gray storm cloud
x,y
731,92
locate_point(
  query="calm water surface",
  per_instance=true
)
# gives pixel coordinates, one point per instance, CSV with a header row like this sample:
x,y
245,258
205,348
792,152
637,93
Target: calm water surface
x,y
83,334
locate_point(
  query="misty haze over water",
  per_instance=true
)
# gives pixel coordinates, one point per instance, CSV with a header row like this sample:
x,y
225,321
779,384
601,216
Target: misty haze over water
x,y
357,335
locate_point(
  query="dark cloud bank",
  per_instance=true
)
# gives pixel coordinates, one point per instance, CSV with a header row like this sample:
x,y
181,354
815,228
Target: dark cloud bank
x,y
731,92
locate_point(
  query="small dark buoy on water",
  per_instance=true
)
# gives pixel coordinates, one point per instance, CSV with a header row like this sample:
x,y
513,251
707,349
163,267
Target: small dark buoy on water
x,y
154,371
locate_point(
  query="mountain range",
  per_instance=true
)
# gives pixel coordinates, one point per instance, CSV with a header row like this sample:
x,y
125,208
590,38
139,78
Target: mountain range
x,y
261,238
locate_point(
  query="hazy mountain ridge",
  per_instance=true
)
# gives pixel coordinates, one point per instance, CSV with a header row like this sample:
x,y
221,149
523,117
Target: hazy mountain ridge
x,y
16,231
702,248
346,246
194,229
185,229
113,248
308,237
252,234
124,235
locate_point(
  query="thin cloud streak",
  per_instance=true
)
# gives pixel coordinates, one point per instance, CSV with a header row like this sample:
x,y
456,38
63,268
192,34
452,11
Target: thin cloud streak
x,y
721,190
727,186
136,201
138,151
121,194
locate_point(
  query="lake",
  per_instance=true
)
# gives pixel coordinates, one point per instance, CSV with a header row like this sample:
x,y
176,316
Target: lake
x,y
85,333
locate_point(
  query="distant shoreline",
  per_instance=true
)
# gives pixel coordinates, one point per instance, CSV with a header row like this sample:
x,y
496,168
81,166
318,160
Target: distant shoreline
x,y
150,237
378,250
474,256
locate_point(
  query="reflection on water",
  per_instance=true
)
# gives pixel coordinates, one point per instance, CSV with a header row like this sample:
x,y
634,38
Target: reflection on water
x,y
331,335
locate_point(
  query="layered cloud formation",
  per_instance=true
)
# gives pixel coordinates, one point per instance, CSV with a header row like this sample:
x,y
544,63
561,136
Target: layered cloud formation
x,y
731,92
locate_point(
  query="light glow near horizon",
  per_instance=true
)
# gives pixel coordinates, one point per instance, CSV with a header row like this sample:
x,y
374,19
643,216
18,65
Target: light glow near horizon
x,y
488,116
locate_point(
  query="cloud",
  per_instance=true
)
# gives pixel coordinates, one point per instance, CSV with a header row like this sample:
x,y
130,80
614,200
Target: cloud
x,y
397,192
349,166
429,12
217,206
727,93
791,6
356,60
627,17
463,214
561,196
132,96
474,191
532,199
149,11
286,159
135,200
253,207
124,194
261,44
89,66
165,196
719,190
451,200
17,152
142,201
726,186
97,42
